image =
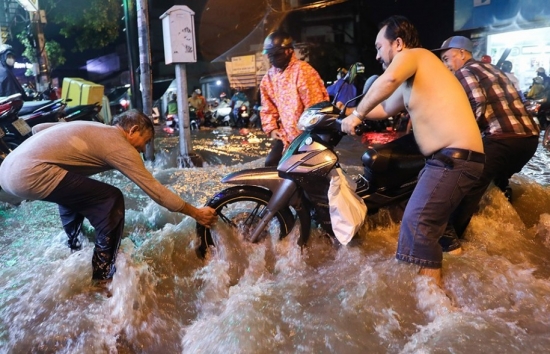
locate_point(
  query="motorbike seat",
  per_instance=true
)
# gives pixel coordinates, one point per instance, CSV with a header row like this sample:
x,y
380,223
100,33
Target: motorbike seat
x,y
393,163
31,106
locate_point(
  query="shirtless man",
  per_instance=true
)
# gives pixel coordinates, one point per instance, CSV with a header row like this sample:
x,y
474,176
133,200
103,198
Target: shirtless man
x,y
445,130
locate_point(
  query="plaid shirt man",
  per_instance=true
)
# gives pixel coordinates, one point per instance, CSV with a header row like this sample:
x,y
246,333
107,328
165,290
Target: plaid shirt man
x,y
498,108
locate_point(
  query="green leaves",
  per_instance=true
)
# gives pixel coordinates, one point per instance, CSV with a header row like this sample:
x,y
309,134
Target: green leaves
x,y
92,24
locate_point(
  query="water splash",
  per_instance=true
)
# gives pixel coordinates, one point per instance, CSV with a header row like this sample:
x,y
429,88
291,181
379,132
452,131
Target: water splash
x,y
274,296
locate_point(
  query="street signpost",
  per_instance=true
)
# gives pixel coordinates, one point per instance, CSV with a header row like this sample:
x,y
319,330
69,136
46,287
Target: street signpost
x,y
178,30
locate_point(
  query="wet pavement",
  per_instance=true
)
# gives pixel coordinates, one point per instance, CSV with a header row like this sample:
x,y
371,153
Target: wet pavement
x,y
228,146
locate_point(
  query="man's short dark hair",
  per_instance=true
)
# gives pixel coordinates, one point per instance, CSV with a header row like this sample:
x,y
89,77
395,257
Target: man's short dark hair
x,y
126,120
401,27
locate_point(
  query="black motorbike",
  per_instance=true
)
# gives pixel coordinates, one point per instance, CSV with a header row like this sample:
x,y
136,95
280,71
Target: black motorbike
x,y
9,106
267,199
17,124
14,129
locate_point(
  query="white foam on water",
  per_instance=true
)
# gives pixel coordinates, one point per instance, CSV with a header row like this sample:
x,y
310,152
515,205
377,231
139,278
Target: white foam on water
x,y
273,296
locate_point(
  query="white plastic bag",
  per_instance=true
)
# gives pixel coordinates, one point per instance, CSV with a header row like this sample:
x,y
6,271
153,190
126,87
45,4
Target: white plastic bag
x,y
347,209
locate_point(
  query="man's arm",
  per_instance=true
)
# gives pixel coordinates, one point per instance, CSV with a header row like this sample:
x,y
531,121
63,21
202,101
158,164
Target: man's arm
x,y
384,97
385,91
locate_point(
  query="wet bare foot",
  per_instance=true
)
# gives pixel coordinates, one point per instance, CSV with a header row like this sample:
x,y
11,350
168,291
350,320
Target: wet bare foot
x,y
456,252
435,273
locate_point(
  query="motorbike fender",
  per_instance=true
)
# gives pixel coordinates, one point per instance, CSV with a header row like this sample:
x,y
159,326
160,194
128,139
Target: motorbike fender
x,y
267,177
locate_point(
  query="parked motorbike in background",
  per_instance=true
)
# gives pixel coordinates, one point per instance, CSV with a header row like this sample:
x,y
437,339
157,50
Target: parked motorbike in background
x,y
9,106
14,129
222,113
538,110
255,121
85,112
242,116
17,125
272,198
171,124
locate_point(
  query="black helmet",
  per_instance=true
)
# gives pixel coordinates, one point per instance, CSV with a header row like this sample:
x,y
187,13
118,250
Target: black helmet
x,y
5,50
276,40
507,66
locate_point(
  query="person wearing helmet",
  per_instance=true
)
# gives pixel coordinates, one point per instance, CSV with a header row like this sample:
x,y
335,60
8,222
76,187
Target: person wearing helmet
x,y
486,59
287,89
536,92
507,68
541,72
9,85
545,105
238,99
198,101
509,133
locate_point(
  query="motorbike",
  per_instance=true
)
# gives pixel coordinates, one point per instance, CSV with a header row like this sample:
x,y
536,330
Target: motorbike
x,y
172,121
14,129
17,126
255,121
538,110
85,112
242,117
9,106
274,198
222,113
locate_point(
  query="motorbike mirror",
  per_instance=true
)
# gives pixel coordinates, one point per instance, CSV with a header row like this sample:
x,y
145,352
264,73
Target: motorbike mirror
x,y
369,83
354,70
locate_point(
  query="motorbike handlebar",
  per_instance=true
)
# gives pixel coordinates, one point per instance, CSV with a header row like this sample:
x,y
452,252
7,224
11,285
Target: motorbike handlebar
x,y
361,129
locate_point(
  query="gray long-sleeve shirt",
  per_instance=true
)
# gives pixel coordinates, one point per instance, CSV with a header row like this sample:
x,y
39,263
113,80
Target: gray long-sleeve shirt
x,y
35,168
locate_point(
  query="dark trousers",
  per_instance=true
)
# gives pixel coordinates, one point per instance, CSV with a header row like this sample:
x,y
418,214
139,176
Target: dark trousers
x,y
81,197
504,157
275,154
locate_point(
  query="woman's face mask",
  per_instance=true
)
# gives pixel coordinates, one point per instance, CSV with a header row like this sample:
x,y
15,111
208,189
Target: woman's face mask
x,y
10,61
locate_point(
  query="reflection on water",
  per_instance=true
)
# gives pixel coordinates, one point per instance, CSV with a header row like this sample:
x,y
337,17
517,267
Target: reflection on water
x,y
274,297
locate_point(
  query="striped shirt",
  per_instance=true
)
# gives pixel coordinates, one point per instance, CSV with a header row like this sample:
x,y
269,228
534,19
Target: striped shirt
x,y
496,103
285,94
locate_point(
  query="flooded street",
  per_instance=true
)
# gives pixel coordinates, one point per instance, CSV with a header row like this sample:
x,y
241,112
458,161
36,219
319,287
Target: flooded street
x,y
274,297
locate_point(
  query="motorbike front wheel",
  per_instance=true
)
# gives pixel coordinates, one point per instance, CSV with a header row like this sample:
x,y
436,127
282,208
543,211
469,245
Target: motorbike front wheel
x,y
241,208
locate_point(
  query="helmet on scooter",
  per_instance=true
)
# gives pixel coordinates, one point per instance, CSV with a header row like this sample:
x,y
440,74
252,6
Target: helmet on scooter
x,y
507,66
538,80
277,40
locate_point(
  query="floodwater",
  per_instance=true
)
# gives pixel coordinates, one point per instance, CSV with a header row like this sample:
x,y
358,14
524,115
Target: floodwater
x,y
274,297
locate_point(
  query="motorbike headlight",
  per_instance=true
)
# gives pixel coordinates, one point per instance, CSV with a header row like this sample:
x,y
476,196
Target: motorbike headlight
x,y
309,118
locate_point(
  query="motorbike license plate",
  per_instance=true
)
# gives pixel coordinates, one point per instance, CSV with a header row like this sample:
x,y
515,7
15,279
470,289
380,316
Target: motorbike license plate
x,y
22,127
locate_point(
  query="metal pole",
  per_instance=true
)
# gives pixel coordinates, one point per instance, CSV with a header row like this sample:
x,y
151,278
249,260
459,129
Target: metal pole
x,y
184,158
43,70
145,68
129,23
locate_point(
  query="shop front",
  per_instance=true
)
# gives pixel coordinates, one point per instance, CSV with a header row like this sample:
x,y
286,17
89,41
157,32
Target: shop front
x,y
513,29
